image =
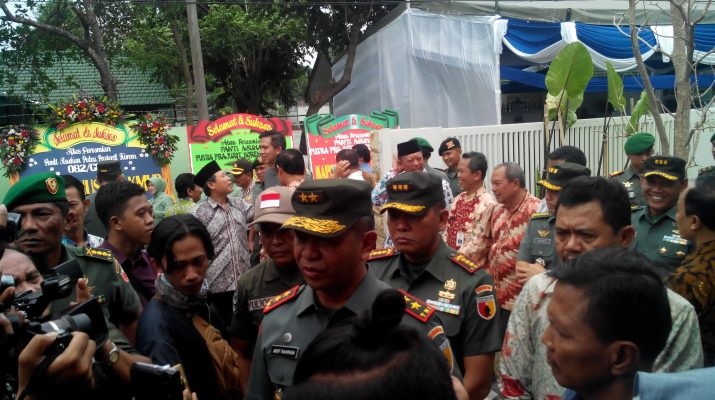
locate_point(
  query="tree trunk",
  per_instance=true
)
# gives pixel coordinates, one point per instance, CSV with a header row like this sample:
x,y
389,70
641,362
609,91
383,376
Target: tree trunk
x,y
682,66
652,100
322,96
186,70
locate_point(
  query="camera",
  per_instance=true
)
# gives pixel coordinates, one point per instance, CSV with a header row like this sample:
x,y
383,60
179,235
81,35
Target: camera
x,y
13,226
154,382
57,285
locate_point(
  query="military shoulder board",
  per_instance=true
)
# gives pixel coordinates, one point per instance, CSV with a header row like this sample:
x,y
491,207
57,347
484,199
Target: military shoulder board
x,y
636,208
464,262
616,173
92,252
379,254
282,298
416,307
540,215
705,169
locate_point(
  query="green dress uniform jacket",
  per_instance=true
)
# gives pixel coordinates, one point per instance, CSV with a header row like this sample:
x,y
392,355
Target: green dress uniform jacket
x,y
293,319
461,292
539,243
253,290
453,181
110,285
632,182
658,239
92,224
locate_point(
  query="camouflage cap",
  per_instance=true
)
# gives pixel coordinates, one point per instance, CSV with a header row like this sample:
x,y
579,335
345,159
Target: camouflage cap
x,y
558,175
639,143
328,207
45,187
273,205
670,168
413,192
448,144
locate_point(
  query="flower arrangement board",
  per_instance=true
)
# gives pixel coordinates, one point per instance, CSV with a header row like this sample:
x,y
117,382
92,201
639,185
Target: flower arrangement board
x,y
232,137
77,149
327,135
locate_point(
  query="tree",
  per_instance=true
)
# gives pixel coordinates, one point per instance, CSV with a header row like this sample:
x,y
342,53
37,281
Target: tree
x,y
336,29
685,15
254,54
94,29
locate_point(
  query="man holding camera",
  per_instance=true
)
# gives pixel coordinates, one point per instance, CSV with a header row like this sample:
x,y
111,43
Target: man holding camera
x,y
42,206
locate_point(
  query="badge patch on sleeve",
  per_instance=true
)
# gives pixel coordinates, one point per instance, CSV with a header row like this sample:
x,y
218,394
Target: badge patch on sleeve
x,y
486,307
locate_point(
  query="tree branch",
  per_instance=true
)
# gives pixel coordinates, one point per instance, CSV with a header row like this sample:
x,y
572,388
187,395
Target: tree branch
x,y
9,16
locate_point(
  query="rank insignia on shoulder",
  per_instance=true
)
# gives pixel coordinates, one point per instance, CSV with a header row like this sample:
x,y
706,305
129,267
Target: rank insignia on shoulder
x,y
705,169
616,173
416,307
540,215
282,298
100,254
379,254
464,262
636,208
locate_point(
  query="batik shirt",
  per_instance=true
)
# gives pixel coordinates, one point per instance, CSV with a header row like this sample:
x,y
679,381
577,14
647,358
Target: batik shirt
x,y
523,370
468,224
695,281
227,228
507,230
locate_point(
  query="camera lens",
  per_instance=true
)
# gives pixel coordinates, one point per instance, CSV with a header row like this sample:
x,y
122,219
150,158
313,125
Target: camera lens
x,y
68,323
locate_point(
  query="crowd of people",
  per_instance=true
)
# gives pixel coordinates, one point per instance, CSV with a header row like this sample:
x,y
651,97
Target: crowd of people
x,y
259,282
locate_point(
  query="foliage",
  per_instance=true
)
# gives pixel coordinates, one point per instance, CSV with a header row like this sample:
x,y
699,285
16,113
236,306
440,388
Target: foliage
x,y
153,134
254,54
84,109
566,81
615,89
639,110
17,143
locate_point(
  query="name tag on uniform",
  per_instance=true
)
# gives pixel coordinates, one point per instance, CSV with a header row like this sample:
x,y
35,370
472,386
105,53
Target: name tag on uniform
x,y
675,240
258,304
544,241
285,351
460,239
444,307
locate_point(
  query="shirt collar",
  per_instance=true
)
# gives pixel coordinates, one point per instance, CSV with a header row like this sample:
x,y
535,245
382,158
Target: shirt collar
x,y
359,301
121,257
434,266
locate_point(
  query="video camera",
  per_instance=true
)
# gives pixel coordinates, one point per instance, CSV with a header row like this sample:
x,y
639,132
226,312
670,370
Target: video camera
x,y
86,317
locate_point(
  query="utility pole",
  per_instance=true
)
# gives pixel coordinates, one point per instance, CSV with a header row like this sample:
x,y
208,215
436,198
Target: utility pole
x,y
197,60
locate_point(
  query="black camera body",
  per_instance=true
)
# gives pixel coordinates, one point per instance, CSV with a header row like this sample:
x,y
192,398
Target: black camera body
x,y
13,226
154,382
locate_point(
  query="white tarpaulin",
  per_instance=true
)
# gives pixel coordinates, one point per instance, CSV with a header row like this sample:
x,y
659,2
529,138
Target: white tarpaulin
x,y
433,69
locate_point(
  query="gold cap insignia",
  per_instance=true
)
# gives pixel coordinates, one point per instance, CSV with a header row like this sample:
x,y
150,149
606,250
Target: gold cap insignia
x,y
311,197
401,187
52,186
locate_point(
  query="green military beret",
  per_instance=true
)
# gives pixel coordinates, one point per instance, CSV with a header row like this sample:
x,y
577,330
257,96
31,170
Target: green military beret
x,y
639,143
670,168
413,192
424,144
560,174
45,187
328,207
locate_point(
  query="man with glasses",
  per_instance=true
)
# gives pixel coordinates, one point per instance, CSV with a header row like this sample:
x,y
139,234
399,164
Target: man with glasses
x,y
638,148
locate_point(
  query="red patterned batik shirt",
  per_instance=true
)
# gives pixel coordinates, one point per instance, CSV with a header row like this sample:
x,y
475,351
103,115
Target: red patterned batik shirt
x,y
507,230
468,224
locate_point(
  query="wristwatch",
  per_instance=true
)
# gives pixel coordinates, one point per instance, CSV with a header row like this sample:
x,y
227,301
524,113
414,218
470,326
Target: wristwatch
x,y
112,357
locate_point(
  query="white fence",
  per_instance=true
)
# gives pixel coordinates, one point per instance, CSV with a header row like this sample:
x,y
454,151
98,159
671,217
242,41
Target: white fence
x,y
524,144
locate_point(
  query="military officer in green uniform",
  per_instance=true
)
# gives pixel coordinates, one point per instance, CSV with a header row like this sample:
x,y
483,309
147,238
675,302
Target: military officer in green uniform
x,y
638,148
423,265
537,251
657,234
273,276
42,204
451,152
332,245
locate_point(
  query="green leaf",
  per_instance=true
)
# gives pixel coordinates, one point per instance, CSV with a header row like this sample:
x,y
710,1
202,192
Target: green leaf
x,y
639,110
567,106
570,70
615,89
